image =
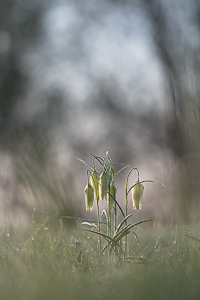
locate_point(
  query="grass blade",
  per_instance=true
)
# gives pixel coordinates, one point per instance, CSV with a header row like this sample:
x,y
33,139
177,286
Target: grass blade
x,y
193,238
121,170
85,163
126,230
117,204
120,225
112,246
101,234
82,220
98,158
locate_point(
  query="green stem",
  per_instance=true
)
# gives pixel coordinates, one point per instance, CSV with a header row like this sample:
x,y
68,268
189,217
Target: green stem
x,y
115,224
127,192
109,222
109,212
143,181
115,216
126,188
99,226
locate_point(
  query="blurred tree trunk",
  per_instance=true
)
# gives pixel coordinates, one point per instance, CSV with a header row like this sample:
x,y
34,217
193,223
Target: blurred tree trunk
x,y
181,65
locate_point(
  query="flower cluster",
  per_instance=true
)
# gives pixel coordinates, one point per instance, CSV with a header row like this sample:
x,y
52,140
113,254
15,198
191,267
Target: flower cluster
x,y
98,187
102,186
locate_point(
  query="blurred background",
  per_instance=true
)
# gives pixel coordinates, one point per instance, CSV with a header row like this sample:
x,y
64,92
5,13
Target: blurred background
x,y
91,76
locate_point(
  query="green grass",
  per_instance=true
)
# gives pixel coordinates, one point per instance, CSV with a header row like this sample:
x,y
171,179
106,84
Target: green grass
x,y
51,261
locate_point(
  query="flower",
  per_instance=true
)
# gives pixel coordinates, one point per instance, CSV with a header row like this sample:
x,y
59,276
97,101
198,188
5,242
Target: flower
x,y
89,196
104,184
95,183
112,194
137,192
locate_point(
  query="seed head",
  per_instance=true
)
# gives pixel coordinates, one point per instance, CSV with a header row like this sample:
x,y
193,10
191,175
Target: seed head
x,y
137,192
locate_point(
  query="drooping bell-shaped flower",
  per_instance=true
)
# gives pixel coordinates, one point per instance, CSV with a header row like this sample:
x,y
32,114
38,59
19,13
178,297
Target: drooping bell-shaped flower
x,y
95,178
112,195
137,192
104,184
89,196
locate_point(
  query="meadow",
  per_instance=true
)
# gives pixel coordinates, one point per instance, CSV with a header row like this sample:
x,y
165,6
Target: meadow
x,y
55,257
48,260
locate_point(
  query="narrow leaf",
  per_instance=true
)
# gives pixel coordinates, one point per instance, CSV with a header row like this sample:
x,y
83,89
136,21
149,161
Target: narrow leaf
x,y
99,233
117,204
112,246
98,158
82,220
89,224
121,170
126,230
85,163
123,221
193,238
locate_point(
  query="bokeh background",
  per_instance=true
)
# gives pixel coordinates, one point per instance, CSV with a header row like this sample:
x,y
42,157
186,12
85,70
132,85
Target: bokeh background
x,y
80,77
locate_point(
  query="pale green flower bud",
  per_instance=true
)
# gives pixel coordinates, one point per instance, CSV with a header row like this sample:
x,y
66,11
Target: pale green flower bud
x,y
95,178
137,192
112,192
89,196
104,184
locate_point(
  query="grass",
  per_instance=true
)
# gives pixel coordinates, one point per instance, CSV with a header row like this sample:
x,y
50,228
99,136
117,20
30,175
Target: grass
x,y
50,261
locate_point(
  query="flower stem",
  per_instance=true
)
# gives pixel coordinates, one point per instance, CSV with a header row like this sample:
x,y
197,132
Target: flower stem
x,y
108,221
127,192
99,226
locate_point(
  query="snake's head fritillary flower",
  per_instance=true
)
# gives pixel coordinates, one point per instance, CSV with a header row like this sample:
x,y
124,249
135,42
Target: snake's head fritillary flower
x,y
89,196
137,192
95,178
104,184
